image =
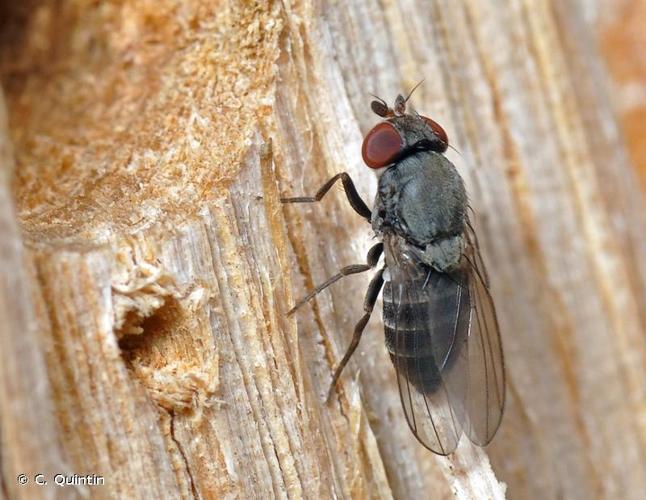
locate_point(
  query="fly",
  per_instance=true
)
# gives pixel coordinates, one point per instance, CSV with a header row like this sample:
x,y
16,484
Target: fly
x,y
440,323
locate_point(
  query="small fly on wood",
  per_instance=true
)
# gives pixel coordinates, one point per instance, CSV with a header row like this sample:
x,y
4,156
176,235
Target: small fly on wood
x,y
439,318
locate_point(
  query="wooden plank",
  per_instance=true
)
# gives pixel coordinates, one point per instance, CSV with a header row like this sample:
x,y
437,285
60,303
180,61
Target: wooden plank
x,y
153,142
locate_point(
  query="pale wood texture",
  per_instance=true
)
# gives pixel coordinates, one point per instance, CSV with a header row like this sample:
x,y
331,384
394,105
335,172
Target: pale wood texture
x,y
145,337
28,437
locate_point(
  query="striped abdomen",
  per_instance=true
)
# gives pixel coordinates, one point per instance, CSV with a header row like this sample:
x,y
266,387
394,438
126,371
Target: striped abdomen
x,y
425,322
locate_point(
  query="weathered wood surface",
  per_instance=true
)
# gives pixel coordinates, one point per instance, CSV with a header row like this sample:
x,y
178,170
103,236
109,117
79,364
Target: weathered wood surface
x,y
619,30
27,424
152,142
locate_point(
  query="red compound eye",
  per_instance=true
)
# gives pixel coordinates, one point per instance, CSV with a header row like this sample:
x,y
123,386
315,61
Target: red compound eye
x,y
381,146
437,130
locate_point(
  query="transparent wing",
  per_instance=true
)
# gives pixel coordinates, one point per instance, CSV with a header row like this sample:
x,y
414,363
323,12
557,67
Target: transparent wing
x,y
424,320
442,334
486,367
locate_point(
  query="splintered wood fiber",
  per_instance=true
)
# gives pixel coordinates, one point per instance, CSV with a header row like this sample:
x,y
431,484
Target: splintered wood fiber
x,y
123,111
153,141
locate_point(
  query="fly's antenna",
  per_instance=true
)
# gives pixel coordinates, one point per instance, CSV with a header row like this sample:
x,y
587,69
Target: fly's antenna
x,y
379,99
414,89
380,108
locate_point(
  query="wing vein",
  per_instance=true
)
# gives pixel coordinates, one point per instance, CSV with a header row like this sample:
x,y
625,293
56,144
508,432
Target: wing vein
x,y
428,410
397,335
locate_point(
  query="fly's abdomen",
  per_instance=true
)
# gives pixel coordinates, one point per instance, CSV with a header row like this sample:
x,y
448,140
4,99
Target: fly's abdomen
x,y
422,322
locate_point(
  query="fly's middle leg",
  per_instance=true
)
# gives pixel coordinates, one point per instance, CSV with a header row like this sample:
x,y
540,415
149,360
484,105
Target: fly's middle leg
x,y
371,298
355,200
372,259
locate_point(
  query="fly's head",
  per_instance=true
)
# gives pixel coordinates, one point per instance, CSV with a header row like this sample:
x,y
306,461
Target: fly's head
x,y
400,134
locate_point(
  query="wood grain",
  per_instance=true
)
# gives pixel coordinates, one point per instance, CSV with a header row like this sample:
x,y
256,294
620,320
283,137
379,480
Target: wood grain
x,y
152,143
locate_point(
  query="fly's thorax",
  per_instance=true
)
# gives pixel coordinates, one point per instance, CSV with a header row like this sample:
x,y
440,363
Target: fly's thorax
x,y
421,198
443,255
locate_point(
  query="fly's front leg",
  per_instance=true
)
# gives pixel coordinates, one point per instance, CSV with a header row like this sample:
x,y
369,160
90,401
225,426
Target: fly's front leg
x,y
350,191
372,259
371,298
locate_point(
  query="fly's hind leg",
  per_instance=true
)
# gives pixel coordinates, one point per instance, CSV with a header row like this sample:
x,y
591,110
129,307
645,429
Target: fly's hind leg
x,y
372,259
350,191
371,297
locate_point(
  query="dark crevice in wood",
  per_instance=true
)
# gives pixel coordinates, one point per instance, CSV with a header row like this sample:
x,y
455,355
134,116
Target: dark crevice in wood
x,y
191,480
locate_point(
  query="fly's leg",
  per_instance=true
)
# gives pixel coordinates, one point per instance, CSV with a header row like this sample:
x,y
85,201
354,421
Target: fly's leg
x,y
372,259
371,297
374,254
350,191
